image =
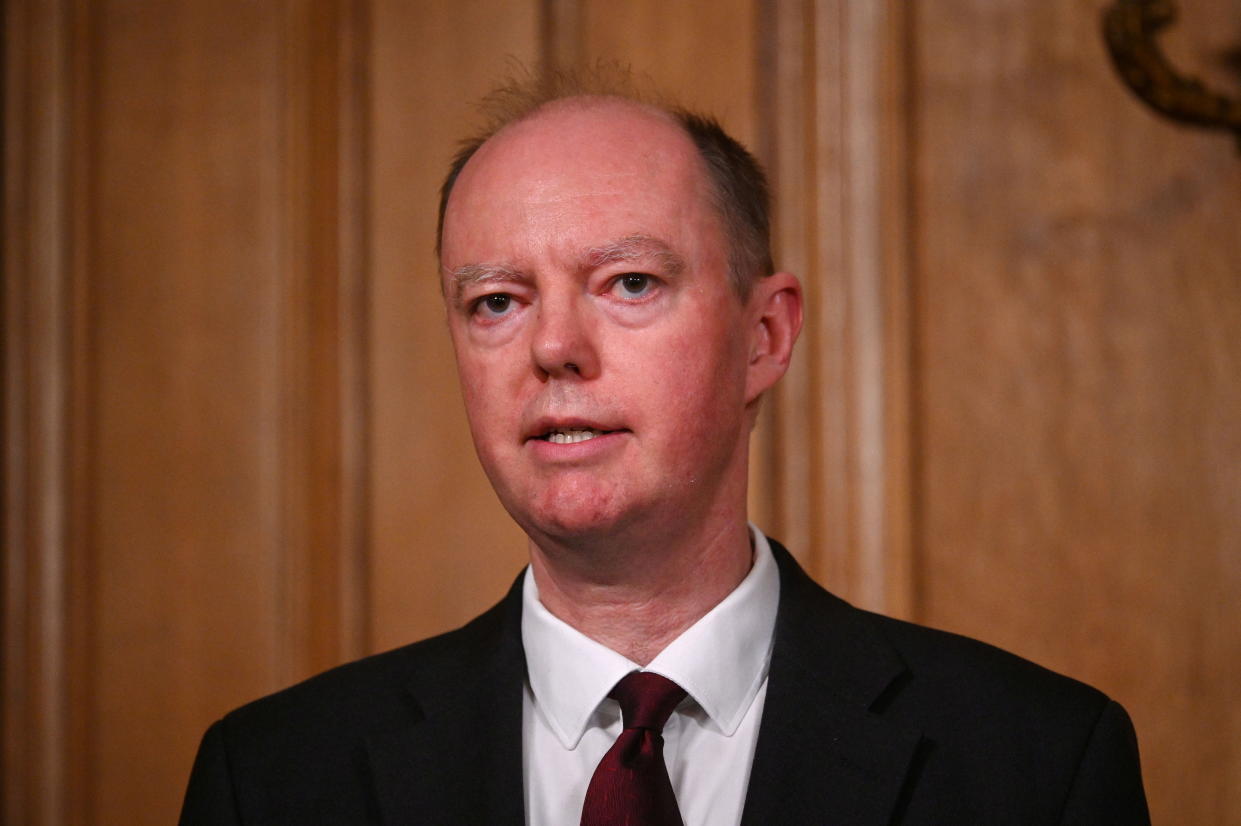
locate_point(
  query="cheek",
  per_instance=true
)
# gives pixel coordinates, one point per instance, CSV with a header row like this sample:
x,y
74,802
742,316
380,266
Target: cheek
x,y
701,391
487,375
474,390
481,396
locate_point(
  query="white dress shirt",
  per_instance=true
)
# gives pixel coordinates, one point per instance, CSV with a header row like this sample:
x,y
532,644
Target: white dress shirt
x,y
569,722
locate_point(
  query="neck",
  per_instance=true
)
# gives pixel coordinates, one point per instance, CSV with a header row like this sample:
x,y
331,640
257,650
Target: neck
x,y
638,598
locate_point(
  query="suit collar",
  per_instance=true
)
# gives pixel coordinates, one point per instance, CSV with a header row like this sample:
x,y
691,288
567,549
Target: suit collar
x,y
825,753
459,758
721,660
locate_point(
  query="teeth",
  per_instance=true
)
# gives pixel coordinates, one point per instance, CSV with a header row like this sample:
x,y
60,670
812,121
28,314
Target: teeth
x,y
571,437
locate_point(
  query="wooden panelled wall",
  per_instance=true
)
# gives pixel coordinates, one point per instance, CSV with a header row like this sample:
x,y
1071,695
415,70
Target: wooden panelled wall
x,y
234,450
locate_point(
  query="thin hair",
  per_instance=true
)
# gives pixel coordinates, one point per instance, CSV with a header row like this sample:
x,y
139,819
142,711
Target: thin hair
x,y
739,188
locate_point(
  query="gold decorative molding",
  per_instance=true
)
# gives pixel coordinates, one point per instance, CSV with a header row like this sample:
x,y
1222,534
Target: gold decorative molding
x,y
1130,27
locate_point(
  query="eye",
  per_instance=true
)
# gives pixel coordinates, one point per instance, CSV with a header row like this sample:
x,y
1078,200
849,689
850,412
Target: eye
x,y
633,285
494,305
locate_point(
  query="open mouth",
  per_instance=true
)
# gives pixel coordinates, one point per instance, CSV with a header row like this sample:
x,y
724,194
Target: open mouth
x,y
573,435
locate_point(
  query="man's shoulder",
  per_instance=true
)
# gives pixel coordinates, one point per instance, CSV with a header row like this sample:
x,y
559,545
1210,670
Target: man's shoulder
x,y
373,693
952,671
318,750
946,683
1043,741
984,733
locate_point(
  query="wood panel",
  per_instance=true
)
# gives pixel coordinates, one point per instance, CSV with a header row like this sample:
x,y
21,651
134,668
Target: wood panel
x,y
38,383
705,52
185,421
1079,376
234,448
442,548
834,135
178,539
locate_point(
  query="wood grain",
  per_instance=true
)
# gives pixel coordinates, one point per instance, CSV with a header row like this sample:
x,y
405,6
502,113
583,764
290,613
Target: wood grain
x,y
1077,316
234,448
703,51
323,351
441,547
840,418
181,385
38,380
189,536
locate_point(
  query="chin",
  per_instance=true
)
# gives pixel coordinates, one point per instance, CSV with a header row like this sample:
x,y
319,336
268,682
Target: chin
x,y
577,518
572,525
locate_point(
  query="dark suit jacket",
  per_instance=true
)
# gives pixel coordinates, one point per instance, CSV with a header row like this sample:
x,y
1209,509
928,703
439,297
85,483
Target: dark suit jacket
x,y
868,721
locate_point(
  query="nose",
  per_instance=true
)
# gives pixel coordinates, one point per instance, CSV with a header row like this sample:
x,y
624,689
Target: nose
x,y
564,342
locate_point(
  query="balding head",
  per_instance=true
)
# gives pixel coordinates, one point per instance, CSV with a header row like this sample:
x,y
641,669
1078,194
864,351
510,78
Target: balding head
x,y
737,184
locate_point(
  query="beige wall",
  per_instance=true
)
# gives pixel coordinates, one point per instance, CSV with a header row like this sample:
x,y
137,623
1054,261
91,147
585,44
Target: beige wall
x,y
234,449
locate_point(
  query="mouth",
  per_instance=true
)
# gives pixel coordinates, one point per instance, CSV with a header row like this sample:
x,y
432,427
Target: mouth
x,y
572,435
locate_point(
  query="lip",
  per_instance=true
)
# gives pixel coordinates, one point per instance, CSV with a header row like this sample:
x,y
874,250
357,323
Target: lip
x,y
545,424
611,437
550,452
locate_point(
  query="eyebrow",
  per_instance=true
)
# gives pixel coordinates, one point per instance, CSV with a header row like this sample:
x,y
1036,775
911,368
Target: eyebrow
x,y
468,274
636,248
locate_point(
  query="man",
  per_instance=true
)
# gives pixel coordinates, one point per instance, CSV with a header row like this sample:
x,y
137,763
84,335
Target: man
x,y
616,322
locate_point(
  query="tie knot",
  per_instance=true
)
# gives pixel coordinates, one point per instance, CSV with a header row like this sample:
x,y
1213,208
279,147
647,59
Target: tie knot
x,y
646,699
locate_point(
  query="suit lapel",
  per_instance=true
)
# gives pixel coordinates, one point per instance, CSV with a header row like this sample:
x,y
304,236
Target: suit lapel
x,y
459,759
824,755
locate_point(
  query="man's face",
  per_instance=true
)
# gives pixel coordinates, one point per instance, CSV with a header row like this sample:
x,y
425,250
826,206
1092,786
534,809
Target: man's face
x,y
601,350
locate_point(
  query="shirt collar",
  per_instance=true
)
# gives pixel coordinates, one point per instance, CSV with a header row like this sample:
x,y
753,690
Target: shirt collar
x,y
721,660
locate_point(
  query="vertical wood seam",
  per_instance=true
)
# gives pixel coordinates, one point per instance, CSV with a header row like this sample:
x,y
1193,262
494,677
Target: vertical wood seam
x,y
901,337
354,223
290,653
321,305
786,130
37,380
829,242
82,751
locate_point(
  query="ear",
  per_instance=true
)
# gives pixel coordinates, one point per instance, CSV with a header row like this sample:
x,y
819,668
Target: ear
x,y
774,313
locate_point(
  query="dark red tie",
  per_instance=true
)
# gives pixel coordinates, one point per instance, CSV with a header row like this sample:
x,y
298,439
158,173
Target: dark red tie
x,y
631,785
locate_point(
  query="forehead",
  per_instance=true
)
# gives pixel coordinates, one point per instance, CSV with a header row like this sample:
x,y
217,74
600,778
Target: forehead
x,y
580,173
